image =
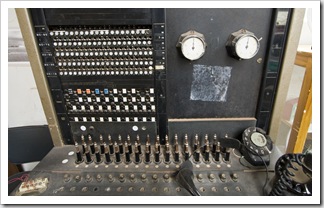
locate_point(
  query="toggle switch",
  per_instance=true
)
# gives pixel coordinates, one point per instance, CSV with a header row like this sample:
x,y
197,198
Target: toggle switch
x,y
139,144
147,153
137,154
88,156
212,177
121,145
111,178
107,155
88,178
157,144
206,143
111,145
99,178
234,177
155,178
83,144
127,155
117,154
227,154
214,143
79,158
222,177
129,145
166,178
200,177
92,148
143,177
132,178
121,178
196,156
217,152
148,143
206,153
97,154
196,143
102,147
167,151
176,150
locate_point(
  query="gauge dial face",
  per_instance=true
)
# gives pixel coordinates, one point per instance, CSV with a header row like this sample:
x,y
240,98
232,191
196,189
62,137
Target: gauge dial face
x,y
193,48
258,139
247,47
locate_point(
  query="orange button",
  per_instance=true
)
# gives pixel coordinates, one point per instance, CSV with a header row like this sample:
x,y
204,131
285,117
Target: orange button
x,y
79,91
88,91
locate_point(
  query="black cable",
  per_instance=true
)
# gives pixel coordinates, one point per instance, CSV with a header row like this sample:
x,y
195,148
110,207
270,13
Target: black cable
x,y
244,164
266,167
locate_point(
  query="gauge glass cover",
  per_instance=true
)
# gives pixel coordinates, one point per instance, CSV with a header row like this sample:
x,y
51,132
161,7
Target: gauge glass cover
x,y
247,47
193,48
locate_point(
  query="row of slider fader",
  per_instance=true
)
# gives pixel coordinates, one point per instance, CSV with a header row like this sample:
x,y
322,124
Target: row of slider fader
x,y
92,152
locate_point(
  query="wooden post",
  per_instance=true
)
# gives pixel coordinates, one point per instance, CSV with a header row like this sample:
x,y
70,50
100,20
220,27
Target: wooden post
x,y
303,114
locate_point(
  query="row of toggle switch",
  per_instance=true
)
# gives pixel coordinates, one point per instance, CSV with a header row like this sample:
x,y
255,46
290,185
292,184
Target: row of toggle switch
x,y
91,53
103,107
105,100
143,177
106,91
122,71
102,63
92,43
94,32
112,119
114,151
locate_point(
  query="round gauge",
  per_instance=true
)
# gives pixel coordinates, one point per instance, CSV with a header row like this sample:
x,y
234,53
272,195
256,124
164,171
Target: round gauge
x,y
192,44
242,44
258,139
193,48
247,47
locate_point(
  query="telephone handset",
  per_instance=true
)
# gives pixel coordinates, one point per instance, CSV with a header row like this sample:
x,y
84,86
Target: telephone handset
x,y
256,144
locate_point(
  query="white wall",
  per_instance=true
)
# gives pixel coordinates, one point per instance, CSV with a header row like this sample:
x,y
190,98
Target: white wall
x,y
24,105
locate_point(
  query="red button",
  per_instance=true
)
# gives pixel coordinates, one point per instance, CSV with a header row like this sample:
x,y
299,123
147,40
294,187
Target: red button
x,y
88,91
79,91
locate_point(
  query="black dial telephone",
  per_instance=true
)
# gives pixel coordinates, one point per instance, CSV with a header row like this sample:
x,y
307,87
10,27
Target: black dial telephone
x,y
256,144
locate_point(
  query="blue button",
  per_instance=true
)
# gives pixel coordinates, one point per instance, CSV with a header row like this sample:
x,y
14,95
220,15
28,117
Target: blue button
x,y
106,91
97,91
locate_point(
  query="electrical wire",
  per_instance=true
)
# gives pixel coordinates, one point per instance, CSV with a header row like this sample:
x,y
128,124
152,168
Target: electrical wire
x,y
23,178
266,167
